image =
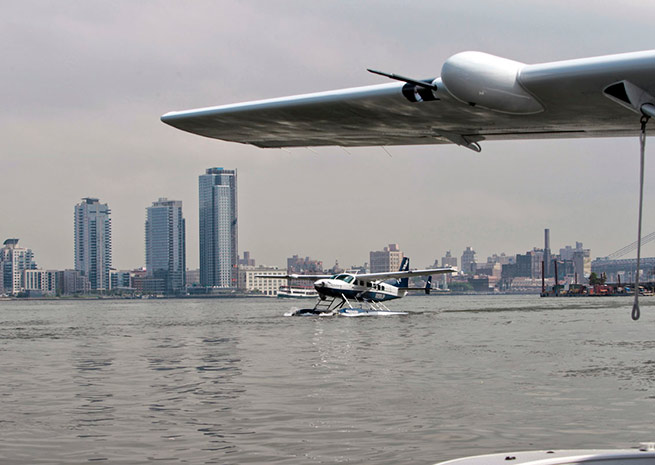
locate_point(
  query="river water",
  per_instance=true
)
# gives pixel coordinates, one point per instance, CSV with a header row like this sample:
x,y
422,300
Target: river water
x,y
232,381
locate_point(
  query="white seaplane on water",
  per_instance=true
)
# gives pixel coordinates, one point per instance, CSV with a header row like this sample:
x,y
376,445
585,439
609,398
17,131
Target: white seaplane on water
x,y
362,294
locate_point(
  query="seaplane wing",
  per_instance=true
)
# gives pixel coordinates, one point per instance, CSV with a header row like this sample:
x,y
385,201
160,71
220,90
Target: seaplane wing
x,y
477,97
404,274
296,276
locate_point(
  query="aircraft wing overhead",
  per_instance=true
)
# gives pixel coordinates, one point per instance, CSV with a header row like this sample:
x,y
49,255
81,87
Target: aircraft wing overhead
x,y
477,97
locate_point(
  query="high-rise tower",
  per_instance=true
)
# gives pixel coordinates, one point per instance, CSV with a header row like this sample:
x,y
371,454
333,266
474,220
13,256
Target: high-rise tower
x,y
14,261
218,228
468,261
165,244
549,271
93,242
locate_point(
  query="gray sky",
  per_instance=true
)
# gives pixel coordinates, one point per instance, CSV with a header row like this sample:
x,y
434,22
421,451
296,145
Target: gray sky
x,y
82,86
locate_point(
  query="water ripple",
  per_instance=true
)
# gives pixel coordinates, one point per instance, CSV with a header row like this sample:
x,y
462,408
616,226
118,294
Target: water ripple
x,y
232,381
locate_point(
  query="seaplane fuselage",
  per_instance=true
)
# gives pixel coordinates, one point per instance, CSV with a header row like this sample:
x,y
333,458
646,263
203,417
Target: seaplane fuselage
x,y
351,286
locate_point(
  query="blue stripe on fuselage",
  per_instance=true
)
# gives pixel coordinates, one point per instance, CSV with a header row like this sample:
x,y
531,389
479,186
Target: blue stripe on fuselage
x,y
372,294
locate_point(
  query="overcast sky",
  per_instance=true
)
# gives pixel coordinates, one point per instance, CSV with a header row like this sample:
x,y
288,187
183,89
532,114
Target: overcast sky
x,y
83,84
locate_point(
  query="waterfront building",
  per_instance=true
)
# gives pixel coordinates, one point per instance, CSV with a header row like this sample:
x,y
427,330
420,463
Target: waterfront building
x,y
358,269
193,277
580,257
33,280
336,269
523,265
218,228
93,242
448,260
305,265
246,260
468,261
251,280
388,259
51,284
490,269
14,260
538,256
165,244
120,279
149,285
503,259
72,282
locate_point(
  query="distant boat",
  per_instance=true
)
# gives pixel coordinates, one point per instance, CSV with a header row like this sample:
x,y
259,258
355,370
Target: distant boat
x,y
297,292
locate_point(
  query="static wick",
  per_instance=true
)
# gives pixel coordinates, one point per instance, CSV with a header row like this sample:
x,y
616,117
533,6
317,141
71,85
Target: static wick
x,y
385,149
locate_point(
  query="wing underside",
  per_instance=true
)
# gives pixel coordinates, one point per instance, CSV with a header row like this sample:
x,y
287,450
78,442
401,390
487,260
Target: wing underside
x,y
565,100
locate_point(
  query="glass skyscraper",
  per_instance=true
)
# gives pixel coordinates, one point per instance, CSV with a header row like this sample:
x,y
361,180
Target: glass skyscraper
x,y
218,228
93,242
165,244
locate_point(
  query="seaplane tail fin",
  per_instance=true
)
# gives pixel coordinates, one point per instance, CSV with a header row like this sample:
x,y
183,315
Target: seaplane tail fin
x,y
404,266
427,288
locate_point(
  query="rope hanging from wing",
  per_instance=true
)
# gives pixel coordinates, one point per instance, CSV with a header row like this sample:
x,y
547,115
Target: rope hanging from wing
x,y
642,144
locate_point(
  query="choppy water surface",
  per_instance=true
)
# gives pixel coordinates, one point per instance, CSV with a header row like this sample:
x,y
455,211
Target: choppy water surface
x,y
233,381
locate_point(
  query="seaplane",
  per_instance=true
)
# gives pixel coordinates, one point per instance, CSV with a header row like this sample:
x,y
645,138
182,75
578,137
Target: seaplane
x,y
362,294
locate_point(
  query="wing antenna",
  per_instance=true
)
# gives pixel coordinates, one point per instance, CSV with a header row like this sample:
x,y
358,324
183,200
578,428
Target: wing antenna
x,y
398,77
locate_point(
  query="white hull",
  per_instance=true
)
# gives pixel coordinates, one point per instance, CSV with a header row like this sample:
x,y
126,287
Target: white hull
x,y
643,456
296,293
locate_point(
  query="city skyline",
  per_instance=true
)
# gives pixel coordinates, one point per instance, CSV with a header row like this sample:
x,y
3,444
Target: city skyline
x,y
165,239
81,116
164,274
165,242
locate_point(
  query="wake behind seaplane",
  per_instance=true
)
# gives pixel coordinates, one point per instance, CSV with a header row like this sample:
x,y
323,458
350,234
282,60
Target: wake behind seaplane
x,y
362,294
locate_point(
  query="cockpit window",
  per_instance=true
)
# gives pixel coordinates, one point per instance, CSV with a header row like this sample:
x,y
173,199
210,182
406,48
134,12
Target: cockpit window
x,y
345,277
